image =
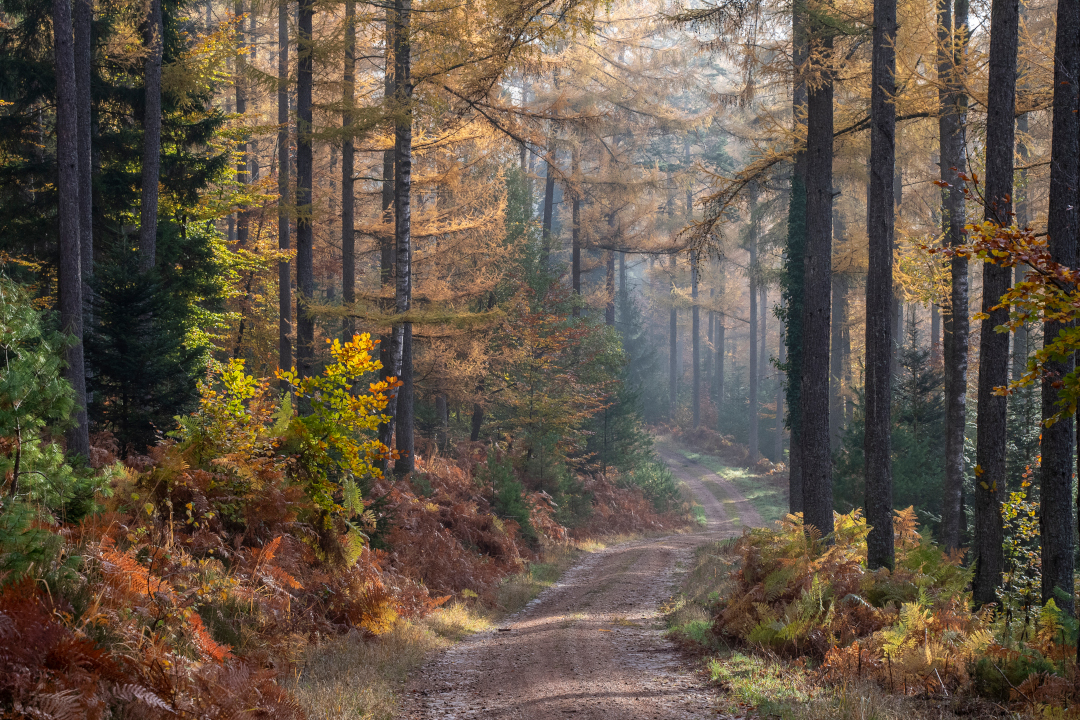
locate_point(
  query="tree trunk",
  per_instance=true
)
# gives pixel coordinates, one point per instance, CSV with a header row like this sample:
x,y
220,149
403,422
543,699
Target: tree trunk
x,y
575,231
305,280
348,233
673,349
477,421
1056,523
752,270
243,218
403,231
1021,338
955,342
935,334
720,331
442,412
84,59
814,388
836,357
880,299
151,154
990,480
386,239
609,286
763,351
549,207
285,356
778,451
794,270
695,337
67,161
711,337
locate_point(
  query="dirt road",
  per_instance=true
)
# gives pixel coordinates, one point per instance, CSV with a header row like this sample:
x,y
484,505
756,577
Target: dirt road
x,y
592,645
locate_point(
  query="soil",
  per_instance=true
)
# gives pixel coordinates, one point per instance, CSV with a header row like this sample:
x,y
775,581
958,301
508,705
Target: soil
x,y
592,645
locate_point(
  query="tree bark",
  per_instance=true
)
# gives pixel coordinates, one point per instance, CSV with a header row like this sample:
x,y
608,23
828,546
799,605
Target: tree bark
x,y
673,350
151,154
796,256
549,207
84,59
836,358
720,349
814,387
990,478
67,161
695,337
778,450
386,241
880,300
952,35
575,231
609,287
763,346
403,90
1056,522
285,356
243,218
935,334
1021,338
752,271
348,201
305,280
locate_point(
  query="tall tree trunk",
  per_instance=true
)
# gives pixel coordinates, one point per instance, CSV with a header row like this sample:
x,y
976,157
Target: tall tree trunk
x,y
695,337
994,346
84,59
243,218
707,361
285,356
67,161
673,350
951,42
778,451
1021,338
575,231
814,387
794,270
403,230
348,232
305,253
880,299
752,270
609,288
1056,523
720,332
935,334
763,311
549,206
386,242
836,357
151,154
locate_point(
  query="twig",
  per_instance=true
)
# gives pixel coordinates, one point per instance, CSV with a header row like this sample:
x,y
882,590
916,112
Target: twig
x,y
1006,679
942,684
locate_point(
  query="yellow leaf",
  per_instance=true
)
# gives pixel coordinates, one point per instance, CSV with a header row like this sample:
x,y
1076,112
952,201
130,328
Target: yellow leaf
x,y
978,470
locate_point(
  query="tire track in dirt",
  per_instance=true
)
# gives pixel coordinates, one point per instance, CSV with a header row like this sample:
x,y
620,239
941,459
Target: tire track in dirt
x,y
591,646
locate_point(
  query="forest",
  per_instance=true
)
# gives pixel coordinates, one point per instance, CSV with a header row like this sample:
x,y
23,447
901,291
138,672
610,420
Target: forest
x,y
333,332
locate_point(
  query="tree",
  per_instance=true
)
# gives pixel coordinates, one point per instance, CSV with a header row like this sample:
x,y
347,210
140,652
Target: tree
x,y
952,39
348,200
990,481
67,159
815,454
1056,523
305,280
151,156
752,271
285,354
879,289
84,63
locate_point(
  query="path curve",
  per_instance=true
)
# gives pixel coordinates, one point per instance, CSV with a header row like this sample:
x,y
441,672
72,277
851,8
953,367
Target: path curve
x,y
591,646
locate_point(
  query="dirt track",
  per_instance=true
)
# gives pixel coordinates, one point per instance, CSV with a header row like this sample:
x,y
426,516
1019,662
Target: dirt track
x,y
590,646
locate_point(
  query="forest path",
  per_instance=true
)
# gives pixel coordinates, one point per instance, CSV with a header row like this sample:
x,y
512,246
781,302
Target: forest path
x,y
592,645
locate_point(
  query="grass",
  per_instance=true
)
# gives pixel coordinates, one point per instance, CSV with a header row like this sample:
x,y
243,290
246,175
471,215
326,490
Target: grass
x,y
359,678
765,494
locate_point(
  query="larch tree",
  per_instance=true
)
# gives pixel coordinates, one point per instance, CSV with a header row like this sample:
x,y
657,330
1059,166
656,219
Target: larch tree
x,y
305,281
879,289
348,199
752,271
285,347
83,16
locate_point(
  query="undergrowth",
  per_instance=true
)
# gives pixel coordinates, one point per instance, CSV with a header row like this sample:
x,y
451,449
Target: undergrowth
x,y
793,626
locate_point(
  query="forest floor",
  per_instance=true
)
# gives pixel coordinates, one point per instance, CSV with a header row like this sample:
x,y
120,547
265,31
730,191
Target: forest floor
x,y
593,644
